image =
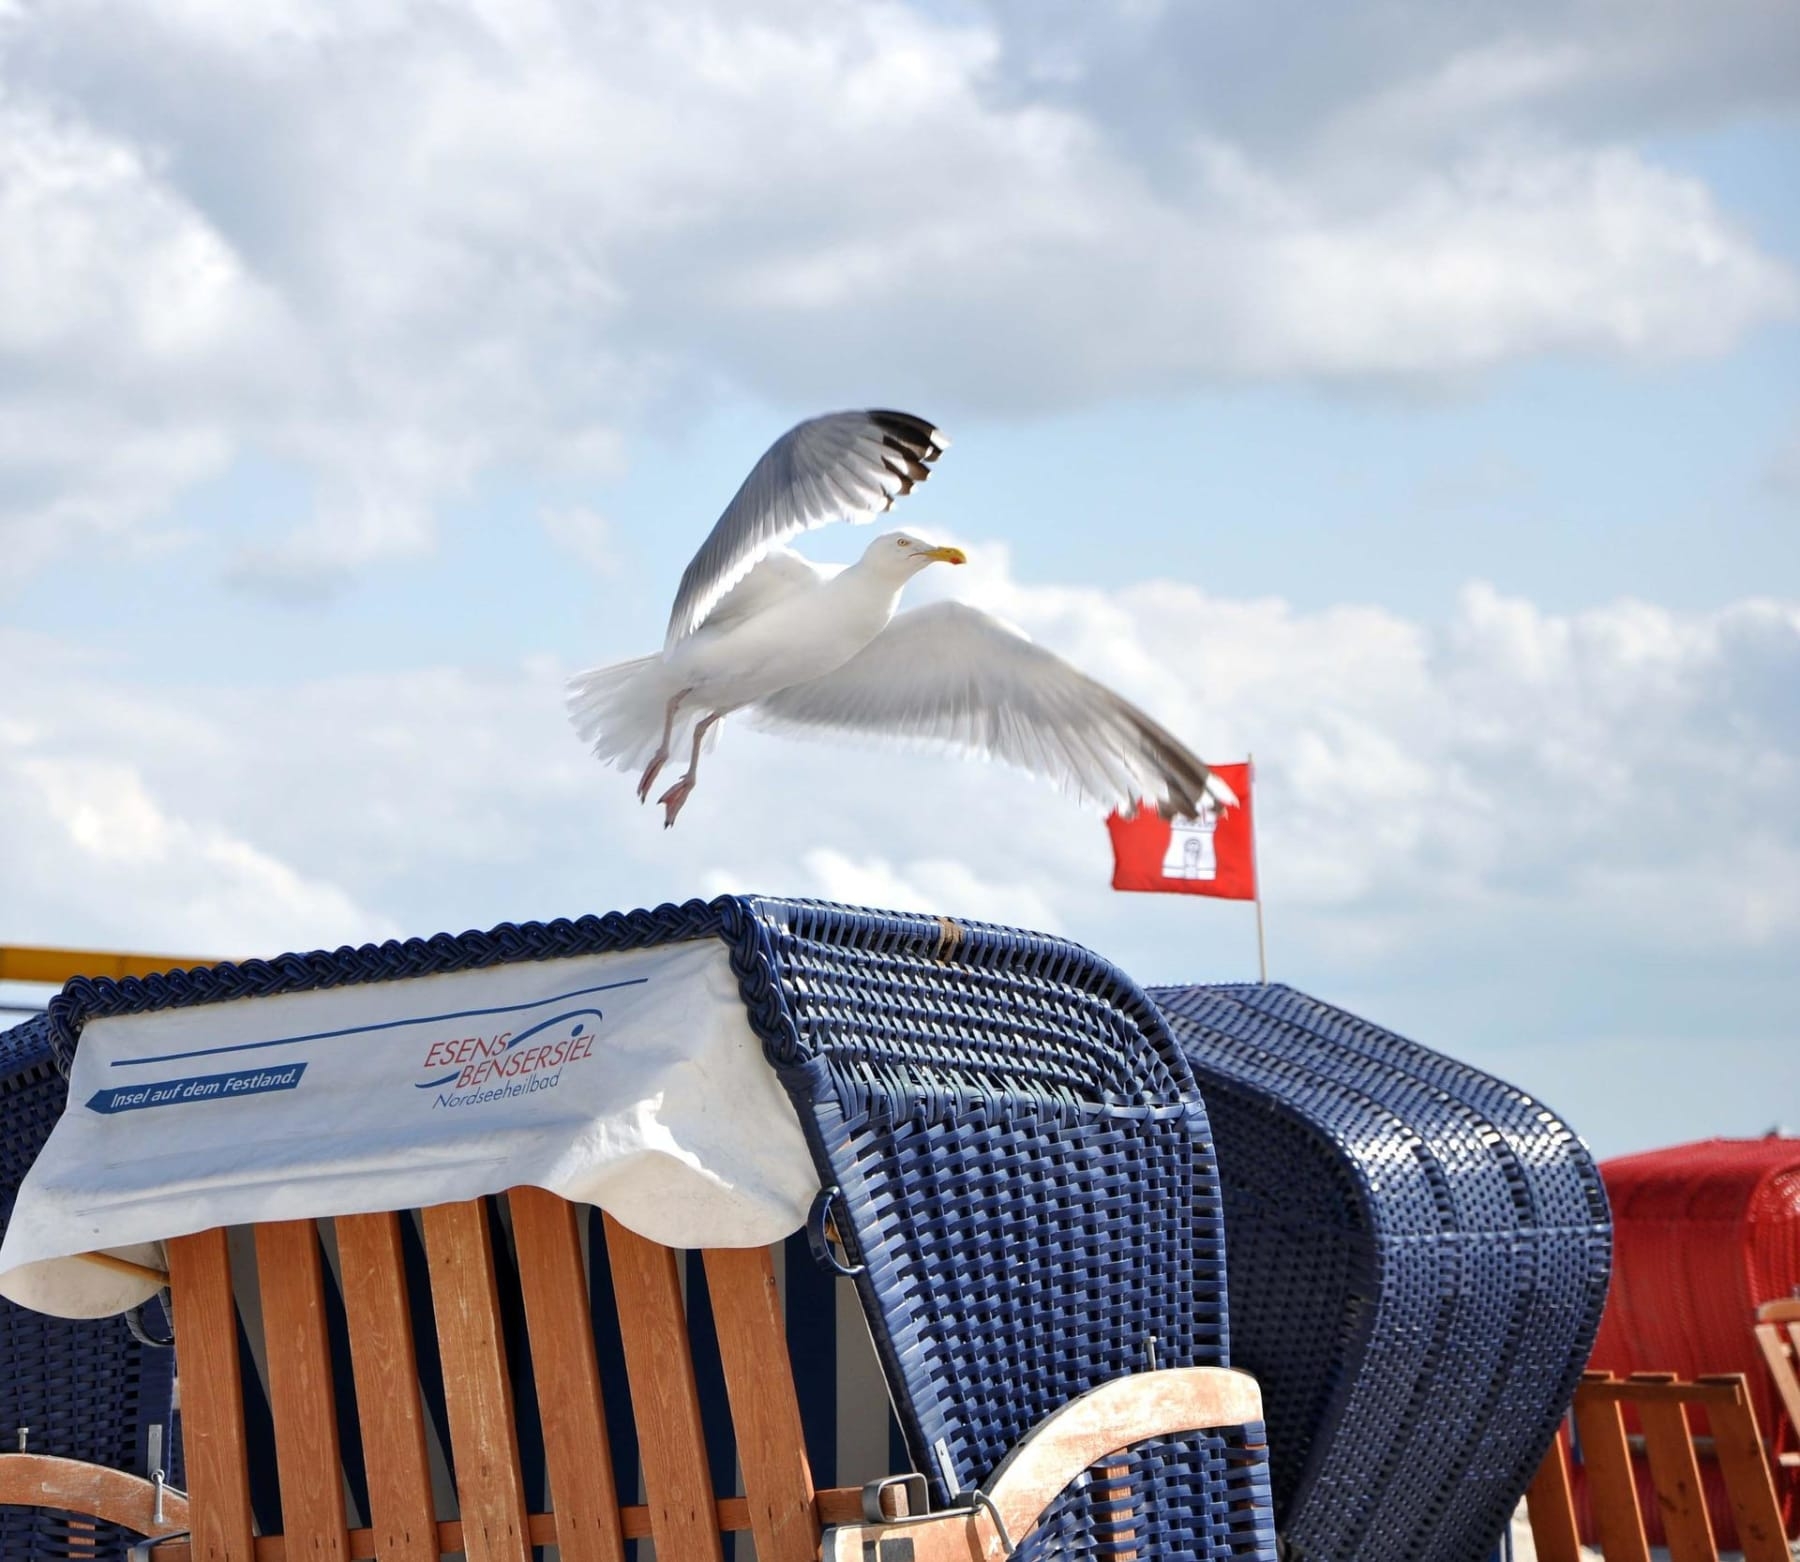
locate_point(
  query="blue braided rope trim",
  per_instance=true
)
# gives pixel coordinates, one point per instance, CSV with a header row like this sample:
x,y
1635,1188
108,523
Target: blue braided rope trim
x,y
753,928
87,998
1154,1071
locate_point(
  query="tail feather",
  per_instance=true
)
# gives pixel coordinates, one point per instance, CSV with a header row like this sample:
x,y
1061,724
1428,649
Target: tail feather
x,y
618,711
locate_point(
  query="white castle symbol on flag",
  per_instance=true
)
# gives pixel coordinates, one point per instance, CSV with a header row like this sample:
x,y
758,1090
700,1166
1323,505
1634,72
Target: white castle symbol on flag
x,y
1191,854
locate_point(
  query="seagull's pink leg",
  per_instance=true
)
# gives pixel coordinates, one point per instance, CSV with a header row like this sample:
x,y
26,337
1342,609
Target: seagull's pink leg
x,y
661,756
678,793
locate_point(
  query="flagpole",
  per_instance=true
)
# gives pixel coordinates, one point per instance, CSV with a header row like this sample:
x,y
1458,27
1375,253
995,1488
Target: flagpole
x,y
1262,958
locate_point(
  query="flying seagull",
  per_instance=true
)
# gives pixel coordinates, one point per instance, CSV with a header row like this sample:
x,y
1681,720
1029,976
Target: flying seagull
x,y
757,627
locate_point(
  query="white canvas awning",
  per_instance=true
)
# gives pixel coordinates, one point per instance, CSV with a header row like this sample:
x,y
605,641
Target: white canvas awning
x,y
631,1081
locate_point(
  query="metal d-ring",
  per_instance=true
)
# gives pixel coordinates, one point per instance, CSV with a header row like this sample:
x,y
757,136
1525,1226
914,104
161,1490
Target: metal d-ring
x,y
821,1229
134,1321
918,1497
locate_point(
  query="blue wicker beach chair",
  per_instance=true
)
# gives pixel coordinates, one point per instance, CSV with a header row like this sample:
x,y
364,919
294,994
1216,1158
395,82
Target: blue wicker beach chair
x,y
1418,1257
1017,1180
94,1390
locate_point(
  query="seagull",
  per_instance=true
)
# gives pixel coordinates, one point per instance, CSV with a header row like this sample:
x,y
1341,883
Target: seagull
x,y
757,627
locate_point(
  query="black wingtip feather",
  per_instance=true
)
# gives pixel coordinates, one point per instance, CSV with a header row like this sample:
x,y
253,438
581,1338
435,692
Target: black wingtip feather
x,y
911,435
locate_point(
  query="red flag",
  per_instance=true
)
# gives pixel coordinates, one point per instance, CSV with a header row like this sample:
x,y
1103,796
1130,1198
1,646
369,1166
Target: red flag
x,y
1212,855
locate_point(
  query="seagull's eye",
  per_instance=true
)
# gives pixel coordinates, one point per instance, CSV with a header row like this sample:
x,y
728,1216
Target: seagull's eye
x,y
900,542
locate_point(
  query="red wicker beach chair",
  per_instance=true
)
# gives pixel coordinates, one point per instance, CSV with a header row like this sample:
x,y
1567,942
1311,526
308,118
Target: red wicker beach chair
x,y
1703,1235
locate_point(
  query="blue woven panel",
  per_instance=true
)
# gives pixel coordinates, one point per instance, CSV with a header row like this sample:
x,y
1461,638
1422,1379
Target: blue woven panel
x,y
1199,1497
1025,1166
1025,1162
1418,1258
85,1389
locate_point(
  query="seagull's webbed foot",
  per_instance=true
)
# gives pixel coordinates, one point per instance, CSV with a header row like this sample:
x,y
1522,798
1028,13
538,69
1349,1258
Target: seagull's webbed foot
x,y
678,793
672,799
652,771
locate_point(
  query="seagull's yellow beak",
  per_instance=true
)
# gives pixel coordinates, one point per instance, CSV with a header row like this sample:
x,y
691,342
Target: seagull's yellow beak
x,y
948,556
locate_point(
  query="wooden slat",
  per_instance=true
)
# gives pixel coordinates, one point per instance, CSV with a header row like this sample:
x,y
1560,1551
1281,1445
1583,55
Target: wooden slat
x,y
1738,1446
759,1381
843,1504
576,1448
664,1398
79,1537
1611,1488
290,1275
1656,1388
477,1390
1675,1475
1550,1502
1780,1342
74,1486
1111,1491
212,1397
1085,1432
1110,1418
402,1517
124,1266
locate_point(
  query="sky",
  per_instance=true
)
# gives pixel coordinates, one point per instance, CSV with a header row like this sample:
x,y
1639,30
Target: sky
x,y
1407,394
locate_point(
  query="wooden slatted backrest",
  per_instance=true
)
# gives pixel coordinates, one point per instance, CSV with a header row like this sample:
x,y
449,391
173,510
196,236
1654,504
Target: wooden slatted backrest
x,y
682,1513
1662,1404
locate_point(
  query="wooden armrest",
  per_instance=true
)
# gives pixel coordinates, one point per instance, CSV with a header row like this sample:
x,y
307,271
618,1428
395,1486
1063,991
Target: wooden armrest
x,y
70,1486
1106,1420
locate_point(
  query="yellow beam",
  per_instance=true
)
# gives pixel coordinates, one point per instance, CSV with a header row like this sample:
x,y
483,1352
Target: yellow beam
x,y
20,963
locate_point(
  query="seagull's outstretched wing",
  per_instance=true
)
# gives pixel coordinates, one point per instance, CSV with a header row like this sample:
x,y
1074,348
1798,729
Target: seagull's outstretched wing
x,y
846,464
952,673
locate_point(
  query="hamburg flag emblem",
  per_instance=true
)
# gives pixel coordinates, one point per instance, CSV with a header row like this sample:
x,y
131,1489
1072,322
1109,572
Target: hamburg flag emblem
x,y
1214,854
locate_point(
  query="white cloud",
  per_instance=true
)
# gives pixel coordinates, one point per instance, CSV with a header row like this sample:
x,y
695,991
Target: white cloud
x,y
1624,771
1517,251
1294,81
935,885
92,858
99,253
122,318
401,249
1512,826
586,535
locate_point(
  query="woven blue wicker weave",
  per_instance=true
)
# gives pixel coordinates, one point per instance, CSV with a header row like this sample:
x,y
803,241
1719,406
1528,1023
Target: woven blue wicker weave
x,y
83,1389
1418,1258
1012,1128
1026,1180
